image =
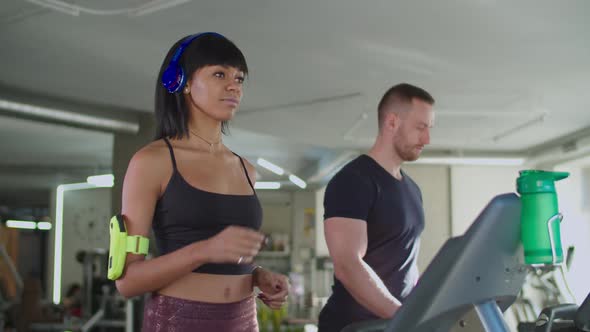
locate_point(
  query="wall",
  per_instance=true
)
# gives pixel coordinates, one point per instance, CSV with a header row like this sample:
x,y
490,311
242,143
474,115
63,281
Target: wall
x,y
575,227
304,224
472,187
321,248
277,207
433,181
85,226
277,211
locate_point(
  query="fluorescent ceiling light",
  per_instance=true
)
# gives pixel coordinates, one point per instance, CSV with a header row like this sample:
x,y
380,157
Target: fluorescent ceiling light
x,y
106,180
267,185
519,128
44,225
297,181
471,161
156,5
75,10
21,224
57,6
270,166
69,117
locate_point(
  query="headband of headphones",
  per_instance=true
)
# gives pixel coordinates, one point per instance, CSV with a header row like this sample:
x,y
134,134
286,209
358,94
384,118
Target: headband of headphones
x,y
174,78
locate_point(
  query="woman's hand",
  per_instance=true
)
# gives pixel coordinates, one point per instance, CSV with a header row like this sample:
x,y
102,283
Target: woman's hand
x,y
274,287
233,245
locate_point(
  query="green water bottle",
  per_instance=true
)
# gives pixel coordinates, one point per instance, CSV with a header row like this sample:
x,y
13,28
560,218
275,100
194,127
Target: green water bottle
x,y
540,218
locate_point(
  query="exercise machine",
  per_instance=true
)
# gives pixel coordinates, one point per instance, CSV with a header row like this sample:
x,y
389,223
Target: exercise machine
x,y
482,270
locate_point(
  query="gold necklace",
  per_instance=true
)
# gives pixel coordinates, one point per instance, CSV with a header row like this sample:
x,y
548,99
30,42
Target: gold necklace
x,y
206,141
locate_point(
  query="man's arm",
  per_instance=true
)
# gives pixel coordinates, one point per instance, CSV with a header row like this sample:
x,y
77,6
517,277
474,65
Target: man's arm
x,y
347,243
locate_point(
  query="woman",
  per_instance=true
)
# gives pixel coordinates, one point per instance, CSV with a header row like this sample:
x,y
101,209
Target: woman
x,y
199,198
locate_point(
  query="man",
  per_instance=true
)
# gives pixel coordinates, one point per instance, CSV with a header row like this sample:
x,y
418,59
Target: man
x,y
374,215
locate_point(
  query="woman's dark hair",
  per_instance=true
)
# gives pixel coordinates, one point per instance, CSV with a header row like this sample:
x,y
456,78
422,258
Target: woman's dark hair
x,y
172,113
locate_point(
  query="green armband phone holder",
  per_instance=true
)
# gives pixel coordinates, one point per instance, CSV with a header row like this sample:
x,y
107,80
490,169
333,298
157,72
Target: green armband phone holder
x,y
121,244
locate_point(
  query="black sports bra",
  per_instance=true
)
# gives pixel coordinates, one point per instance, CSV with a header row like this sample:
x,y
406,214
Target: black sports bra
x,y
186,214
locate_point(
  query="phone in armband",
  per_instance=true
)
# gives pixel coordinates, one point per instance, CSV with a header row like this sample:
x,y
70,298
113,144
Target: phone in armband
x,y
120,244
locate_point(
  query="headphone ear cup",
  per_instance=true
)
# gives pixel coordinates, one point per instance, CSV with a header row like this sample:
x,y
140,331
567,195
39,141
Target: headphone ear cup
x,y
173,78
181,80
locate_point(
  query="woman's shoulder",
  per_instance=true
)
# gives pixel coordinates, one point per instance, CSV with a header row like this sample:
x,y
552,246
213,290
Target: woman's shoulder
x,y
248,164
151,166
153,154
249,167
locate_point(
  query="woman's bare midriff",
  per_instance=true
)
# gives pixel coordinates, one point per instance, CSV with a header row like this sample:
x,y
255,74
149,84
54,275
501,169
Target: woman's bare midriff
x,y
212,288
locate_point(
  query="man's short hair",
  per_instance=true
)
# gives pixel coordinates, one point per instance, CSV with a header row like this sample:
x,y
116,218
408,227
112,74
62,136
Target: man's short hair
x,y
402,93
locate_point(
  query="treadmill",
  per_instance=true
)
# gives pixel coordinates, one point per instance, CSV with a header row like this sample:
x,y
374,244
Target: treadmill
x,y
483,269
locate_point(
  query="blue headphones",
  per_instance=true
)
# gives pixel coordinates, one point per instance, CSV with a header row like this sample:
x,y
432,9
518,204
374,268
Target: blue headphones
x,y
173,77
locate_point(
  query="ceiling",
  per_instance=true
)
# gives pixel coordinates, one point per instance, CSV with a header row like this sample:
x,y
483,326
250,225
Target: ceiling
x,y
507,76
